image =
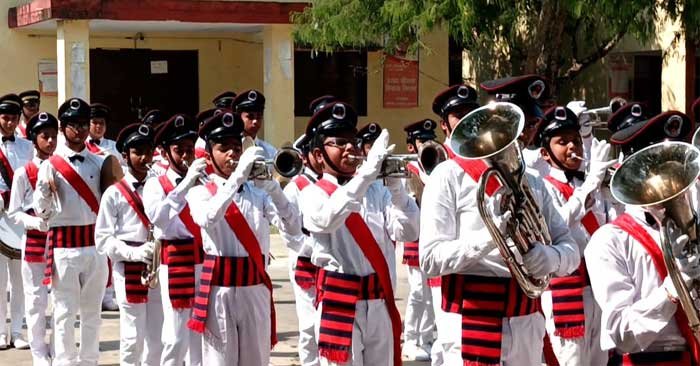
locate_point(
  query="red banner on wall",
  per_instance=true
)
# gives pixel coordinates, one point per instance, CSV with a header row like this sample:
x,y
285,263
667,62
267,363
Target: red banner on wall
x,y
400,83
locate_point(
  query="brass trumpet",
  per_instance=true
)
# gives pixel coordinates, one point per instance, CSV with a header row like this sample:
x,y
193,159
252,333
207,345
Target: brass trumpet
x,y
491,133
287,163
430,154
149,277
658,178
394,166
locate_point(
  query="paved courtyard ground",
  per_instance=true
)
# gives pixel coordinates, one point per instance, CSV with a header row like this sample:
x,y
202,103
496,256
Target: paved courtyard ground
x,y
284,354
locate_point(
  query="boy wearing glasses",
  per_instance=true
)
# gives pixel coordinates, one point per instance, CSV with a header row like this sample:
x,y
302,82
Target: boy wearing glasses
x,y
250,105
353,224
68,191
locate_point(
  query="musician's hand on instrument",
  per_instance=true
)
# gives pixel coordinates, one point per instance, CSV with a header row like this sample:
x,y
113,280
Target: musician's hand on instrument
x,y
36,223
376,155
493,204
541,260
599,163
142,253
194,172
245,165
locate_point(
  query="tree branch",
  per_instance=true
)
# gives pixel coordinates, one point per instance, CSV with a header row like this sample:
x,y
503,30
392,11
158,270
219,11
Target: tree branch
x,y
579,65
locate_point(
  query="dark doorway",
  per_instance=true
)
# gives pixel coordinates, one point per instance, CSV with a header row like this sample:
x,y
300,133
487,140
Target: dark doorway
x,y
646,86
134,81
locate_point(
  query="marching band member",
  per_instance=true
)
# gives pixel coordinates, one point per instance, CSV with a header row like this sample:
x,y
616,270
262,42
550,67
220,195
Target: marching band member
x,y
419,320
224,100
641,319
42,130
166,207
31,101
71,179
571,314
234,306
368,134
121,233
302,273
500,324
15,152
527,92
250,104
450,105
153,119
96,142
353,224
633,113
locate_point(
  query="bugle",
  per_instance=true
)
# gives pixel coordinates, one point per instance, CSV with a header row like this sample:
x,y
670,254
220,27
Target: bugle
x,y
491,133
394,166
149,277
430,154
658,178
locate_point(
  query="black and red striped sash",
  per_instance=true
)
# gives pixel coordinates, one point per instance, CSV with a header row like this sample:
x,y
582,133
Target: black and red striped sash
x,y
136,292
673,358
338,293
486,301
179,255
186,220
35,245
67,237
305,273
567,292
628,224
410,253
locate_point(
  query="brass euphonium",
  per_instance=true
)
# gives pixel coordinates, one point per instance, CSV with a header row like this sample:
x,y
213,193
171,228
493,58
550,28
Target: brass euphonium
x,y
149,277
491,133
658,178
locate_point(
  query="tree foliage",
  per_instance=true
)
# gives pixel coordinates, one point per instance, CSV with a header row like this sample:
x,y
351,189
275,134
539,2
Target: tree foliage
x,y
557,39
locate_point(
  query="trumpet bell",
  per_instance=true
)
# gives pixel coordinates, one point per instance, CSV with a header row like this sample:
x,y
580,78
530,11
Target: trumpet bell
x,y
487,131
288,162
656,174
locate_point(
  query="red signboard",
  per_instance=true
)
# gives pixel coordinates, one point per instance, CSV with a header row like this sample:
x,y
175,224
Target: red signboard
x,y
400,83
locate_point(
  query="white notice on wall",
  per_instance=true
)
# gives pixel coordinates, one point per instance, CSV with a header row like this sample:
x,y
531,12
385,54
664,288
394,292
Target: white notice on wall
x,y
48,77
159,67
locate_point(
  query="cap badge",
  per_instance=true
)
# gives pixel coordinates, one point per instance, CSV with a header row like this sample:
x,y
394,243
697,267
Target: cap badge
x,y
463,92
144,130
372,128
536,89
74,104
339,111
179,122
636,110
43,117
560,114
428,125
673,126
227,120
252,96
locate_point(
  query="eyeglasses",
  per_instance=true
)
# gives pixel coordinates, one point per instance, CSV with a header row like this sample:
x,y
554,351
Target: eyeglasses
x,y
341,142
79,125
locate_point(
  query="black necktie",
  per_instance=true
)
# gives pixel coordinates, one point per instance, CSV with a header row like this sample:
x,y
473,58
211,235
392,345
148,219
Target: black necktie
x,y
570,175
8,138
79,158
178,180
96,142
137,185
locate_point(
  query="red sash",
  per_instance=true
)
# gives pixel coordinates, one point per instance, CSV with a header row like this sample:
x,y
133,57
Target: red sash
x,y
22,129
450,153
301,182
93,148
567,292
239,225
76,182
32,171
186,219
370,248
636,231
136,292
8,177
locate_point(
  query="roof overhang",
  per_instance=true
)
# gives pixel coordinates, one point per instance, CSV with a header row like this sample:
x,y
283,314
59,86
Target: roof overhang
x,y
208,12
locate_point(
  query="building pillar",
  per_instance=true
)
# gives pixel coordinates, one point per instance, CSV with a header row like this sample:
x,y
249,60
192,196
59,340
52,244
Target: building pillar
x,y
674,86
278,81
73,59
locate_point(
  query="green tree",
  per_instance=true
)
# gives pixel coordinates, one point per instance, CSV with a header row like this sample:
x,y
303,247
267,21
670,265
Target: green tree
x,y
557,39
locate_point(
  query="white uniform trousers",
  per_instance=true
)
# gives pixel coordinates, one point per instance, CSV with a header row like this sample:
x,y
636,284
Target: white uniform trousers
x,y
580,351
36,299
179,342
372,339
306,314
419,320
521,342
77,287
13,267
140,327
238,327
447,333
